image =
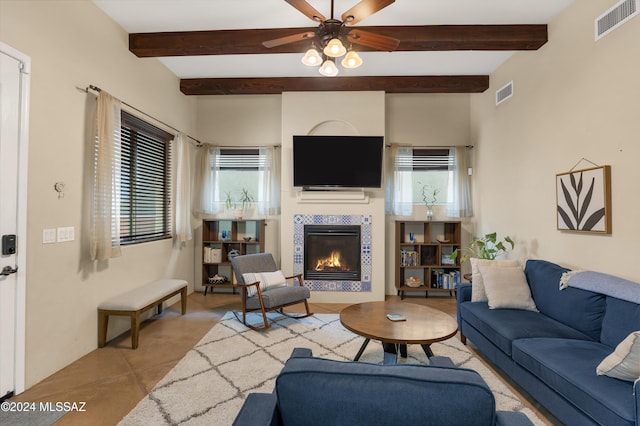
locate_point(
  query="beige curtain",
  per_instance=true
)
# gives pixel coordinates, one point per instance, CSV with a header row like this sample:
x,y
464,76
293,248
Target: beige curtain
x,y
269,185
204,195
183,231
398,185
105,215
459,204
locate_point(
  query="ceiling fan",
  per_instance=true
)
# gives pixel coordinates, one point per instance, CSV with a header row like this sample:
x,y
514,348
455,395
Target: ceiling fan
x,y
332,35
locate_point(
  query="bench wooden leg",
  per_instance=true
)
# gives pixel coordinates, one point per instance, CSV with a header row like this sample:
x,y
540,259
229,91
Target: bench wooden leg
x,y
135,329
103,322
183,300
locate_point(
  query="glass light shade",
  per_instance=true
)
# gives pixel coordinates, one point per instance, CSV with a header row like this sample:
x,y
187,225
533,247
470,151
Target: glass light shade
x,y
329,68
312,58
352,60
335,48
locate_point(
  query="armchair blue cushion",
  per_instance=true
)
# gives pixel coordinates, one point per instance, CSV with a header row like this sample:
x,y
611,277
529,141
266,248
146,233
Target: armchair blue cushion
x,y
316,391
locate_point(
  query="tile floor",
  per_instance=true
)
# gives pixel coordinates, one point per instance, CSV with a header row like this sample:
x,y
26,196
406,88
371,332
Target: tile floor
x,y
112,380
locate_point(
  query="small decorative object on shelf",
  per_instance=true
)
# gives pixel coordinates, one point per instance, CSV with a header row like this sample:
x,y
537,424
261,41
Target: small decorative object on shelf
x,y
218,279
232,254
413,282
246,239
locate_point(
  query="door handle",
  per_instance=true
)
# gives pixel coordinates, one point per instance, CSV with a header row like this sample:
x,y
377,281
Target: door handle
x,y
8,270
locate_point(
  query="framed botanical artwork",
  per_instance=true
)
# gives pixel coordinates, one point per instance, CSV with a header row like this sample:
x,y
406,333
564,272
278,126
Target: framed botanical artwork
x,y
584,200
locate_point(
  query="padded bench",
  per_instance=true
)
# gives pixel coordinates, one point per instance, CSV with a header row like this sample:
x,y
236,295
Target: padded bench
x,y
134,302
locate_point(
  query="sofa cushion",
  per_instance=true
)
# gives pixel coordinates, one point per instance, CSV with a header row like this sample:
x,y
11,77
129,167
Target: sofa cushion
x,y
620,319
506,288
502,326
579,309
478,293
624,362
315,391
568,366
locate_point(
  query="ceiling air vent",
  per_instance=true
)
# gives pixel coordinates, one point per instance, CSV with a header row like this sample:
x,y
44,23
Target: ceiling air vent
x,y
616,16
504,93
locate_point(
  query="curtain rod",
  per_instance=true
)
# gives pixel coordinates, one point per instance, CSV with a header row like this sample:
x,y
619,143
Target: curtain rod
x,y
243,146
97,89
432,146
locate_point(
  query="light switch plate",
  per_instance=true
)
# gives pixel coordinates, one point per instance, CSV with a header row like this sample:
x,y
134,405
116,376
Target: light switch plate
x,y
66,234
48,236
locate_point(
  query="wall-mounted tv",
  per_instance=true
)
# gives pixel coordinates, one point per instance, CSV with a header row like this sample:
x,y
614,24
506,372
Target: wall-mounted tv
x,y
337,161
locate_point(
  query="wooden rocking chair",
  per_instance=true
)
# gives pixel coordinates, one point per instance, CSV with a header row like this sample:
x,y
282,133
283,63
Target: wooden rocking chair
x,y
267,298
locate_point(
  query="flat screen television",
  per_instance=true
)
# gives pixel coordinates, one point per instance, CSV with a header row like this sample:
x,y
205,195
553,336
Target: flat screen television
x,y
337,161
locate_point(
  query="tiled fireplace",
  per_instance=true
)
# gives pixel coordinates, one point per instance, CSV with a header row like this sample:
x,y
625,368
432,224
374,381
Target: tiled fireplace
x,y
333,252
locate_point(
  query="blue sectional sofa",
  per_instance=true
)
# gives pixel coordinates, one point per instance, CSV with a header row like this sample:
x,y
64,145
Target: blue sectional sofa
x,y
314,391
553,353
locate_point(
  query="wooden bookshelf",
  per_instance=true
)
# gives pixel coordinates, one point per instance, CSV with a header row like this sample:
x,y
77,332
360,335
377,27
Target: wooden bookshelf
x,y
425,259
219,237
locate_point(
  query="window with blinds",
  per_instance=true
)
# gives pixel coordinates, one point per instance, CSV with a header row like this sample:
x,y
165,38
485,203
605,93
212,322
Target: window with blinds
x,y
145,196
427,166
237,170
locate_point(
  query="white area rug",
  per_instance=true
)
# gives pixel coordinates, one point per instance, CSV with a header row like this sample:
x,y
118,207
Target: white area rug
x,y
209,385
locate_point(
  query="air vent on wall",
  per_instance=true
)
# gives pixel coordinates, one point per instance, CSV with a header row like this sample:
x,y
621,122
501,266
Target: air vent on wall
x,y
504,93
616,16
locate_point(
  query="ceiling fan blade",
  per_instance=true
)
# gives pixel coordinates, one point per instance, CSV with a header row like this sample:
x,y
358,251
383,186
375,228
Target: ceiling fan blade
x,y
373,40
288,39
307,10
364,9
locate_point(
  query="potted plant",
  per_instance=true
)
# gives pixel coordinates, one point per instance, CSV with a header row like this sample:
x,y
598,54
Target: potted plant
x,y
229,205
246,200
486,247
430,197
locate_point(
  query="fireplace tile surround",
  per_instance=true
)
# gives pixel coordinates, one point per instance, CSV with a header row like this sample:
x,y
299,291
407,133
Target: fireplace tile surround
x,y
365,222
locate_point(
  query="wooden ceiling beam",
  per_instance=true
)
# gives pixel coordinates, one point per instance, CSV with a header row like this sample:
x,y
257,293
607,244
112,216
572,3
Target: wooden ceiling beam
x,y
412,38
389,84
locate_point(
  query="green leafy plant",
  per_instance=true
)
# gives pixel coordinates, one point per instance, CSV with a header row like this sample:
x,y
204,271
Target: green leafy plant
x,y
486,247
429,195
246,199
230,205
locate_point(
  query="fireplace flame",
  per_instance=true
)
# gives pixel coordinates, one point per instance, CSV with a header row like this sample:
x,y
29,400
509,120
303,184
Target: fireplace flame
x,y
332,262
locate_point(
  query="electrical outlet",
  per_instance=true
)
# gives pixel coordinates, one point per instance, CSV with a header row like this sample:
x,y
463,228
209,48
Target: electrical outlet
x,y
66,234
48,236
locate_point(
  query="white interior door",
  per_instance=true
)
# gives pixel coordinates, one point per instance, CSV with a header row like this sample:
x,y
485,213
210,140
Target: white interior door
x,y
13,95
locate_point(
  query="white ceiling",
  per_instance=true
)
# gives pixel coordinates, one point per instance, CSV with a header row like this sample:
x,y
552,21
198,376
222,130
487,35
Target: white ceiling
x,y
137,16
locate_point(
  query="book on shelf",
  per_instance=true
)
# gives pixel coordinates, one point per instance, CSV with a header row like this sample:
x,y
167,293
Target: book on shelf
x,y
445,280
212,255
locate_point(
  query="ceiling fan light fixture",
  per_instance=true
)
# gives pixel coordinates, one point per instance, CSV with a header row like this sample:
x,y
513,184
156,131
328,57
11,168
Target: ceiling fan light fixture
x,y
335,48
329,68
351,60
312,58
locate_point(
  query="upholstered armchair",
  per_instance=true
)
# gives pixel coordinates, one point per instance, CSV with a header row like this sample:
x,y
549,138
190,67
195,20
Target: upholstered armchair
x,y
314,391
265,288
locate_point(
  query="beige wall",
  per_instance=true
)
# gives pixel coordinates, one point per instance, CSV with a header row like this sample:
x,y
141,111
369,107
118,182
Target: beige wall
x,y
416,119
574,98
72,43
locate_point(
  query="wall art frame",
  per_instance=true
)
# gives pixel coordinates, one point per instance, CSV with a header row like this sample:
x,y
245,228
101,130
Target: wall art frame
x,y
583,200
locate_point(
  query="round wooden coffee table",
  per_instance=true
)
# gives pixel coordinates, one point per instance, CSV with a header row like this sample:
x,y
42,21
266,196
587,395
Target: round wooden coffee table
x,y
423,325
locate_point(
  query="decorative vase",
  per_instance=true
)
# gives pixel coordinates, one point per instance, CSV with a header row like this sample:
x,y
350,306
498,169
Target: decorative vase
x,y
429,213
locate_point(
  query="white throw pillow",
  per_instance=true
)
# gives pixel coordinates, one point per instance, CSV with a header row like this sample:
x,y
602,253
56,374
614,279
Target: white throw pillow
x,y
507,288
268,280
624,362
477,288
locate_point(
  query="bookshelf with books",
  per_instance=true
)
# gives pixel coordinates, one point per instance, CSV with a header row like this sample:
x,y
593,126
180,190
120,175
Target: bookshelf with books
x,y
219,238
423,262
